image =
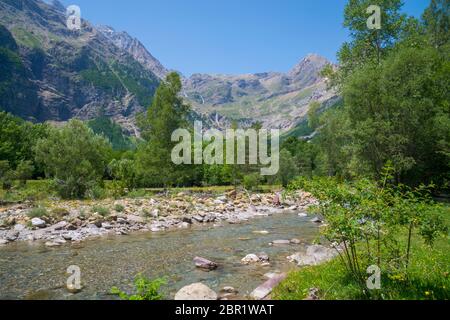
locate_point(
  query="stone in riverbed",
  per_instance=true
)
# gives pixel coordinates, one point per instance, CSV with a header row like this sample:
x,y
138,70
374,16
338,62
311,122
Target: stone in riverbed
x,y
263,257
206,264
196,291
314,255
316,220
38,223
52,244
3,242
280,242
266,288
250,258
302,215
261,232
295,241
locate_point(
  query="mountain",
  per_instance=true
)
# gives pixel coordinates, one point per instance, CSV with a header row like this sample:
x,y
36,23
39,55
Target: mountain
x,y
278,100
136,49
51,73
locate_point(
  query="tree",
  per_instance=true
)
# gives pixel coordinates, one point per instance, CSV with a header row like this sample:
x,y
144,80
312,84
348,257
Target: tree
x,y
74,157
288,169
24,171
166,114
6,175
437,22
369,45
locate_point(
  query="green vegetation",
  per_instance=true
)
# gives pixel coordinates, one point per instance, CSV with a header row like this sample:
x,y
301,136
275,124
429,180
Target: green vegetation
x,y
112,131
75,158
146,289
119,208
37,212
387,141
103,211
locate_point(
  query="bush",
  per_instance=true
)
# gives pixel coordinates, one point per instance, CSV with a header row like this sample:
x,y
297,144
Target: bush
x,y
119,208
103,211
367,219
145,289
252,181
37,212
24,172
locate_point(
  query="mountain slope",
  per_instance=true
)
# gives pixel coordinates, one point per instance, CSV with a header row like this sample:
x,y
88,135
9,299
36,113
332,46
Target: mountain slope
x,y
62,74
278,100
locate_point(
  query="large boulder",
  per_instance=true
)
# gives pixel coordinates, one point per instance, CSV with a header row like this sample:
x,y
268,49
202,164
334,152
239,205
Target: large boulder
x,y
206,264
38,223
196,291
314,255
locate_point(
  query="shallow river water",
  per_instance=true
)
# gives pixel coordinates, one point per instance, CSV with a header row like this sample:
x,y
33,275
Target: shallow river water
x,y
33,271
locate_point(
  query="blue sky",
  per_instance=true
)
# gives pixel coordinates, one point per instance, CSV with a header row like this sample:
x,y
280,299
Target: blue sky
x,y
229,36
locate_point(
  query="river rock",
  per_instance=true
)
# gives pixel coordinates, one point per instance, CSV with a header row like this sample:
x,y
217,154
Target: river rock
x,y
38,223
314,255
316,220
134,219
196,291
263,257
52,244
12,235
263,232
206,264
19,227
3,242
295,241
281,242
302,215
266,288
250,258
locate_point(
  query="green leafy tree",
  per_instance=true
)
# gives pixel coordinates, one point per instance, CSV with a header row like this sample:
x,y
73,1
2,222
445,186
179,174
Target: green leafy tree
x,y
437,23
24,171
6,175
167,113
74,157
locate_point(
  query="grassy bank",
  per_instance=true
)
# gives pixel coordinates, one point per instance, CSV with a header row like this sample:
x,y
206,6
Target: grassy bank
x,y
428,277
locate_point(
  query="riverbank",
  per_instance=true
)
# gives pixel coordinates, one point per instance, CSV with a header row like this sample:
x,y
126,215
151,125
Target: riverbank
x,y
428,277
58,222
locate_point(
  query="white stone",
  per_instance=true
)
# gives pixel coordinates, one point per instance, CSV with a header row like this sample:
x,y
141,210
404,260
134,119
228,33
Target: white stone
x,y
196,291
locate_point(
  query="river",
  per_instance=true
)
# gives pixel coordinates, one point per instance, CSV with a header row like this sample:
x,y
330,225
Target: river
x,y
33,271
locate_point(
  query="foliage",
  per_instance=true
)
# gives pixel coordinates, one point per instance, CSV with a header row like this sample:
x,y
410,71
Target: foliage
x,y
24,171
103,211
366,219
112,131
38,212
166,114
74,157
145,289
119,208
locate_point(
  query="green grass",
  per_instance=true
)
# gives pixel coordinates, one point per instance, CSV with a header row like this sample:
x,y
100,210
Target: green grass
x,y
428,278
34,190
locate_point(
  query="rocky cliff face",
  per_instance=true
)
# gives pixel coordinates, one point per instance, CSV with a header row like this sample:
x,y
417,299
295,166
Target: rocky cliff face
x,y
57,74
136,49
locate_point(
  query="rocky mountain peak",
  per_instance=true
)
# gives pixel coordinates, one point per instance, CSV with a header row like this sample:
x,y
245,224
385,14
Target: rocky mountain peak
x,y
135,48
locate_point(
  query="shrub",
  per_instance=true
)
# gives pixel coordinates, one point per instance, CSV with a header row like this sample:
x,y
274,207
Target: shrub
x,y
119,208
366,219
37,212
145,289
251,182
103,211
